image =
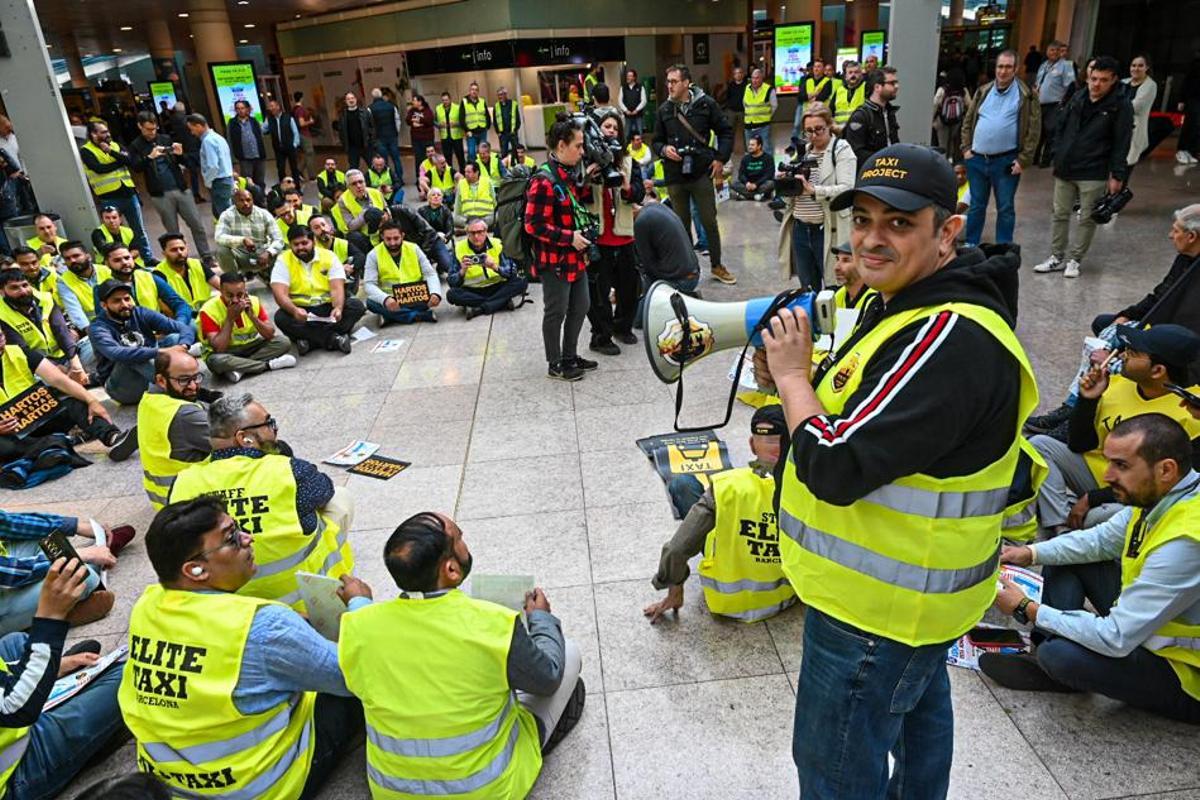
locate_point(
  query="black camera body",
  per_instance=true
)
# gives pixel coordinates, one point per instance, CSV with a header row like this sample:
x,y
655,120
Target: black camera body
x,y
688,153
592,233
598,149
787,183
1106,207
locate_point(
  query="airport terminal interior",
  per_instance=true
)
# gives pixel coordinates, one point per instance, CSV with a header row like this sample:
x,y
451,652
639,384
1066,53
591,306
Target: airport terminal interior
x,y
545,477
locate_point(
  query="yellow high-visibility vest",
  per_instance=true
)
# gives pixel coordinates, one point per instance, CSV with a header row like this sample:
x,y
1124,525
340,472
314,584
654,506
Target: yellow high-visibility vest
x,y
444,181
474,114
308,285
243,331
195,290
476,276
260,494
391,273
13,744
1178,641
355,207
1020,515
846,101
107,182
301,216
83,289
475,200
156,411
44,259
450,125
176,696
757,104
37,337
492,169
514,119
341,249
740,570
1122,401
813,88
339,177
17,375
932,577
125,237
441,718
145,289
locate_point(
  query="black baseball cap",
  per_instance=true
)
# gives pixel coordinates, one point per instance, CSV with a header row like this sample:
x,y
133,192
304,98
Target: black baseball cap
x,y
112,285
843,249
1171,344
769,421
907,177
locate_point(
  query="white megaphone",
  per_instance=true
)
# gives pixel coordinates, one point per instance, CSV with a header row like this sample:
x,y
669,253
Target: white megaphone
x,y
712,327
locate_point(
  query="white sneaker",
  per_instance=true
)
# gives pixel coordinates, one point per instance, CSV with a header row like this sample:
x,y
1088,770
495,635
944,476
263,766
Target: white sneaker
x,y
195,349
1070,268
1051,264
1184,157
233,377
282,362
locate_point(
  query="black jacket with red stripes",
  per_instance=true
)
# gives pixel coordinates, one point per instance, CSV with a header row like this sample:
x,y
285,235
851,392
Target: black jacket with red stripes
x,y
939,398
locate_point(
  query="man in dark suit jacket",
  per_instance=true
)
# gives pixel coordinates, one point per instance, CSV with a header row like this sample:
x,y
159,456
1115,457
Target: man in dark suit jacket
x,y
245,138
285,139
356,129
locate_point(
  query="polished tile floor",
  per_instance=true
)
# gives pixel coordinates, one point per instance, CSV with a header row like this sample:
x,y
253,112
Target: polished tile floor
x,y
544,478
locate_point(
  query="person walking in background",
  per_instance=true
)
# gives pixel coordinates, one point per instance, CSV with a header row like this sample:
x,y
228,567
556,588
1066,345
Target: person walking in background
x,y
157,158
951,103
182,134
1189,135
1033,60
356,129
246,143
107,169
734,105
385,118
1055,77
306,123
1142,92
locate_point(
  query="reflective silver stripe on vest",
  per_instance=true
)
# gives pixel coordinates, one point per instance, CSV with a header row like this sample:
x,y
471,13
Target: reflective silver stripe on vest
x,y
290,598
11,755
283,564
743,585
1160,642
1021,517
438,748
261,784
755,614
926,580
198,754
156,495
470,783
939,505
160,499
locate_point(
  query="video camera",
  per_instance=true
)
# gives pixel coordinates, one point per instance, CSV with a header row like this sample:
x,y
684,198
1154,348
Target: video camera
x,y
1107,206
599,149
787,182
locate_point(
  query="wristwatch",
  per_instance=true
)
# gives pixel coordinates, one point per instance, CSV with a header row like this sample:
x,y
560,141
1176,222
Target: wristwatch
x,y
1019,612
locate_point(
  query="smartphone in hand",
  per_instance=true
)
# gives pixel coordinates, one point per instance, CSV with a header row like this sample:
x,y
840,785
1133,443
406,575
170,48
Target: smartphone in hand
x,y
57,546
1192,399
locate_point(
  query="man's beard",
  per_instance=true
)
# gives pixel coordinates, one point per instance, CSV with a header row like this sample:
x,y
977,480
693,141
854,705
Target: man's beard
x,y
25,301
123,277
79,268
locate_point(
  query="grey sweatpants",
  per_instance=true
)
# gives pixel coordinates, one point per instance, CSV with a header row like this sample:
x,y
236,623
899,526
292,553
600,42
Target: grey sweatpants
x,y
1068,479
565,307
175,204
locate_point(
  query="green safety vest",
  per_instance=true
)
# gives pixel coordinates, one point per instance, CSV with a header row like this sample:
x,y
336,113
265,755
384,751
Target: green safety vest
x,y
450,125
107,182
757,104
374,198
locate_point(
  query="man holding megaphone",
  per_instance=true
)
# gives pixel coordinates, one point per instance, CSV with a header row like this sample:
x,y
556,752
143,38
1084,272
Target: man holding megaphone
x,y
903,447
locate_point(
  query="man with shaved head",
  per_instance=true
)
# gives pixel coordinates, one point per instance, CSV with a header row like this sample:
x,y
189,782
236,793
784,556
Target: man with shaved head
x,y
247,237
172,429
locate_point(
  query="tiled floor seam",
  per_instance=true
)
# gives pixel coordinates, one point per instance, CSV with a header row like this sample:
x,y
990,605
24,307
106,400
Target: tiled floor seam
x,y
1032,747
462,475
782,671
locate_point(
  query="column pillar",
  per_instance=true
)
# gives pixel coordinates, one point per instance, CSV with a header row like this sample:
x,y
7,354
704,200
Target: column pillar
x,y
807,11
863,15
1030,28
70,51
213,40
31,96
956,13
913,51
158,36
1062,24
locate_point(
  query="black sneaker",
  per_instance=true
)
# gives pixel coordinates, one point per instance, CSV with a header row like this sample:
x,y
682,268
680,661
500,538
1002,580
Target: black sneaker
x,y
1044,423
582,363
123,444
627,338
1020,671
569,719
91,646
778,204
605,348
564,371
303,346
342,342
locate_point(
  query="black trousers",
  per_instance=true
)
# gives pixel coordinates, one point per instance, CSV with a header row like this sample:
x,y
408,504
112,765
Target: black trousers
x,y
74,413
455,148
289,158
488,299
338,726
320,334
1189,134
1045,149
616,269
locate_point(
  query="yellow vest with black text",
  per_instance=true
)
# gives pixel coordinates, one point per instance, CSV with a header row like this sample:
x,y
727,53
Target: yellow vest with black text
x,y
441,718
145,289
177,697
915,560
1121,401
82,289
13,744
243,331
125,238
450,124
44,258
37,337
475,200
391,273
260,493
17,375
1020,515
374,199
195,290
155,414
846,100
758,104
309,285
476,276
740,570
1178,641
108,182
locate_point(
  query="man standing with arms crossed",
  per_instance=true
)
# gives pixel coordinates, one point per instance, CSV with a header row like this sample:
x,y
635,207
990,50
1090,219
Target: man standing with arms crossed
x,y
903,446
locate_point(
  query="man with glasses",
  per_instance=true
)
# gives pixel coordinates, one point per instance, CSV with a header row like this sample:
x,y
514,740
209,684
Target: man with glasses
x,y
250,666
872,126
155,156
172,429
483,280
300,521
127,338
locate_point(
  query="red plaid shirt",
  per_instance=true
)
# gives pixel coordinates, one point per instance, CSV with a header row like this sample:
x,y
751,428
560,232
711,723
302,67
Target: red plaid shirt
x,y
550,220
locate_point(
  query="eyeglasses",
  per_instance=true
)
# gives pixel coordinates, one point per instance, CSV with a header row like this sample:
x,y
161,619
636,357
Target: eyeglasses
x,y
268,422
815,131
232,538
187,380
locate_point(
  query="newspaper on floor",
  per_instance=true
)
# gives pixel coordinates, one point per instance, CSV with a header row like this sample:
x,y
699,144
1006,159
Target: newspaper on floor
x,y
965,652
387,345
68,686
353,453
362,334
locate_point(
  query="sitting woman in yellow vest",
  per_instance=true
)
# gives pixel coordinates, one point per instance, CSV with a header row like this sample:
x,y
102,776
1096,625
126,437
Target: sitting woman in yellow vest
x,y
484,279
21,371
41,751
474,196
226,692
519,157
1074,494
440,176
237,333
383,178
732,523
111,231
401,283
360,210
478,692
46,242
30,318
309,285
172,425
300,521
150,288
190,278
1141,645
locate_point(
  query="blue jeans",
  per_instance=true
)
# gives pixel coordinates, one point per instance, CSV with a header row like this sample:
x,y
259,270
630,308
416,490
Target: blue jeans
x,y
390,149
985,173
222,195
129,380
701,234
63,739
508,141
402,315
761,130
861,696
474,139
17,606
808,254
442,257
131,209
685,492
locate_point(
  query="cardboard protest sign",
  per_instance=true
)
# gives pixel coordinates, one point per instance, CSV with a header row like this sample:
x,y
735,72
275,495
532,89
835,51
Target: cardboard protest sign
x,y
31,408
380,467
696,454
411,294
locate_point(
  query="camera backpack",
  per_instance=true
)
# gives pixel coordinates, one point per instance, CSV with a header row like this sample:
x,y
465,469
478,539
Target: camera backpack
x,y
510,215
953,107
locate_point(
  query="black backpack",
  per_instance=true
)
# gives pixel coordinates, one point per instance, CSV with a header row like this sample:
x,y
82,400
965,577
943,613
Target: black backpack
x,y
510,215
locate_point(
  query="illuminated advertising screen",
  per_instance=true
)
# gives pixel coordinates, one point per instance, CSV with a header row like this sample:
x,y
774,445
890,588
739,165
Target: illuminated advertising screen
x,y
873,44
793,51
234,81
845,54
163,91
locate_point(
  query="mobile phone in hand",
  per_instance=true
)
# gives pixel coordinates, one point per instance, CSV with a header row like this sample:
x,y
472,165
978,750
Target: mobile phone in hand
x,y
1192,399
994,637
57,546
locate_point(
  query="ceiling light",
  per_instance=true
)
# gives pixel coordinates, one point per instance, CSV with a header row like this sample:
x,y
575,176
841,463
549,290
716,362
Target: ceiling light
x,y
248,25
116,50
126,27
243,41
243,2
183,15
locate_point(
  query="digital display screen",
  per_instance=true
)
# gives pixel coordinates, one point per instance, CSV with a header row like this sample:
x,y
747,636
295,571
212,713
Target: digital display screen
x,y
234,81
163,91
793,51
873,44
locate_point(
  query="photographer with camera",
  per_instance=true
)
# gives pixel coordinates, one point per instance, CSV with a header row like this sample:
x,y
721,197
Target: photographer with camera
x,y
823,168
682,127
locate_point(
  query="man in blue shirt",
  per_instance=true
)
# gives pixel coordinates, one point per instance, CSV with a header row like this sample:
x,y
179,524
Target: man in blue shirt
x,y
216,163
1055,77
999,134
245,137
1152,568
